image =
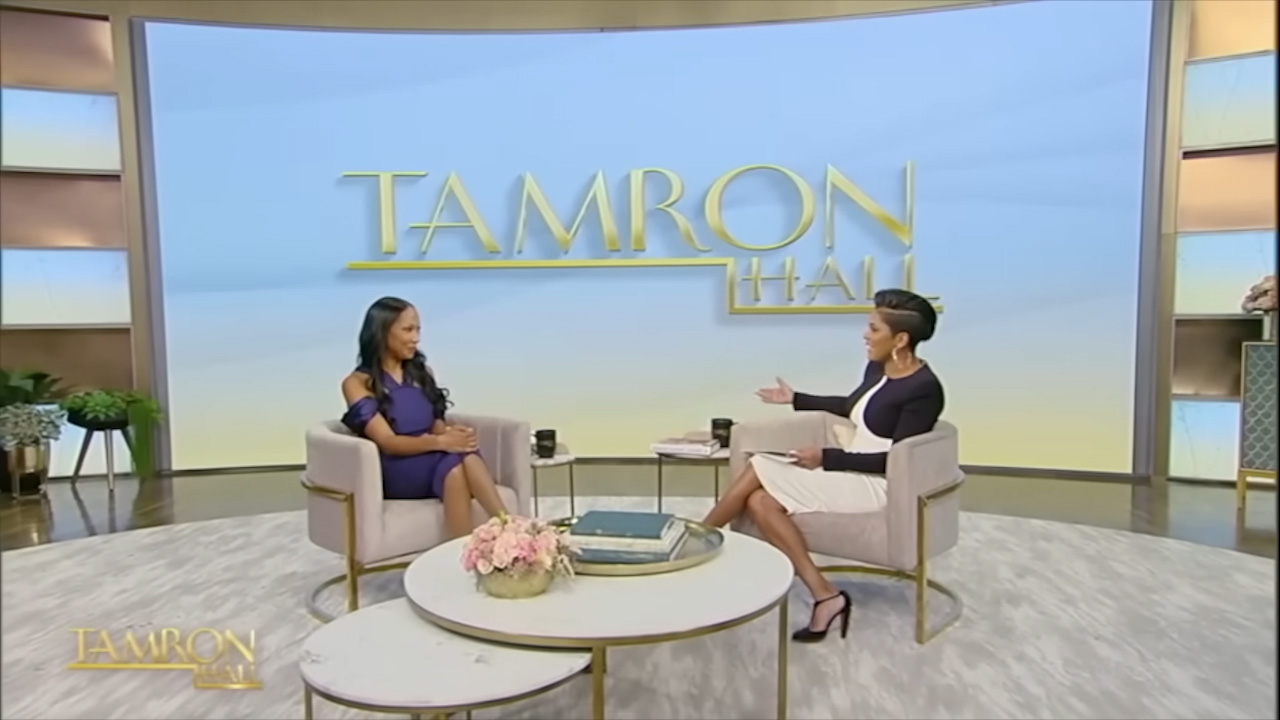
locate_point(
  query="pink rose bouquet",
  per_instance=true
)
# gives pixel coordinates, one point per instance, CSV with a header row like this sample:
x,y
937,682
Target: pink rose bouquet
x,y
517,545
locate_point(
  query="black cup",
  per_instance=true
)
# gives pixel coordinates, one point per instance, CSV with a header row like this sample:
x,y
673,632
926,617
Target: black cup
x,y
721,428
544,443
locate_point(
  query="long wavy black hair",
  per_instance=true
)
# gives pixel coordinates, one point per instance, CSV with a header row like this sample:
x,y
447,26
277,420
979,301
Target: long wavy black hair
x,y
378,320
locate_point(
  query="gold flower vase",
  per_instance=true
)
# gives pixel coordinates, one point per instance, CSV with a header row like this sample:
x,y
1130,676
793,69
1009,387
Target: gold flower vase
x,y
515,585
27,468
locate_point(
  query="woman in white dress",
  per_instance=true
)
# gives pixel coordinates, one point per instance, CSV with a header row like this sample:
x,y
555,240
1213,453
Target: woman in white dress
x,y
899,397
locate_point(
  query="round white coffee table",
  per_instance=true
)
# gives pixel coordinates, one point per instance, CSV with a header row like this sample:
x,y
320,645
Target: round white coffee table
x,y
385,658
746,580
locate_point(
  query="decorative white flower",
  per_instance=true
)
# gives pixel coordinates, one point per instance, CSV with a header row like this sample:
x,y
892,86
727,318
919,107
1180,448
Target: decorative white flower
x,y
23,425
1262,297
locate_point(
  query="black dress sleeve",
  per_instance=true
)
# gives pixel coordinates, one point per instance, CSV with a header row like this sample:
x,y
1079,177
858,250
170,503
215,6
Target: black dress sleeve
x,y
837,404
919,413
834,404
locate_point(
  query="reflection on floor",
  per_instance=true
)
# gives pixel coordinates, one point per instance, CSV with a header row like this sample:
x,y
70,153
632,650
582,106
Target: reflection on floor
x,y
1202,514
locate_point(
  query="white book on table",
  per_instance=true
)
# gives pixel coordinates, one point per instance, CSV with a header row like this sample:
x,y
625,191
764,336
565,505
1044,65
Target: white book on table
x,y
685,446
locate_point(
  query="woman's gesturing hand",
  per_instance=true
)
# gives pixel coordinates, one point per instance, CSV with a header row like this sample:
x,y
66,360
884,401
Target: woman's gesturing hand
x,y
782,394
458,440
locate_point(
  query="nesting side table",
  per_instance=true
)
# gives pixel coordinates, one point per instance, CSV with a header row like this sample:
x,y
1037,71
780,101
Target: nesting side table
x,y
384,658
717,459
562,459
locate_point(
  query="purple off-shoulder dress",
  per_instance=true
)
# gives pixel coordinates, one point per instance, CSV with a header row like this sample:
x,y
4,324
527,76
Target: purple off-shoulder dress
x,y
406,477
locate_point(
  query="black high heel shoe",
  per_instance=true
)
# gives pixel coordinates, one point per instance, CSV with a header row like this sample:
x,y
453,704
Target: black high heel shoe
x,y
807,634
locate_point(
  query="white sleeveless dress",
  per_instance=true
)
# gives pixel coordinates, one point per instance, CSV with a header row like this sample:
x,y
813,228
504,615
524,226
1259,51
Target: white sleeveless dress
x,y
800,490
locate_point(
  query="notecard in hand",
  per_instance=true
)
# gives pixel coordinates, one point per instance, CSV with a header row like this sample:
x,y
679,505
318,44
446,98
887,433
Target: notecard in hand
x,y
776,456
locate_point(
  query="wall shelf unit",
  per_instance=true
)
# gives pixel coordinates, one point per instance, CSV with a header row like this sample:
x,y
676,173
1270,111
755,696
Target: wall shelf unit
x,y
1207,354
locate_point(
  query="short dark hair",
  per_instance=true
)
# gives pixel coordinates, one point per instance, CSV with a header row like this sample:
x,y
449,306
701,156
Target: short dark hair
x,y
906,312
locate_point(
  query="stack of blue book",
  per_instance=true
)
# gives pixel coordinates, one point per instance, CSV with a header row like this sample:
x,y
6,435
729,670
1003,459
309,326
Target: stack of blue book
x,y
625,538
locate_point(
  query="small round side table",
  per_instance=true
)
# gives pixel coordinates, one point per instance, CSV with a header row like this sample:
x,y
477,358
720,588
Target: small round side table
x,y
716,459
384,658
561,459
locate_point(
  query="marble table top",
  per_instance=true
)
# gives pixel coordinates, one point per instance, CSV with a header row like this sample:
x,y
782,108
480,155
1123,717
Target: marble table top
x,y
746,578
385,655
559,459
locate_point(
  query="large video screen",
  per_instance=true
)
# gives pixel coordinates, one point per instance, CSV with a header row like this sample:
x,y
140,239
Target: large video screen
x,y
621,235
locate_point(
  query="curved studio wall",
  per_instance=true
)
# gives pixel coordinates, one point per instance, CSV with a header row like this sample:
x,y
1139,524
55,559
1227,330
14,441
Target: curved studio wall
x,y
1022,126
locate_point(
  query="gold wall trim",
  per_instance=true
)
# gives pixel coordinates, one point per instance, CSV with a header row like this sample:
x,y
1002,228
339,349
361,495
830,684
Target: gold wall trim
x,y
490,14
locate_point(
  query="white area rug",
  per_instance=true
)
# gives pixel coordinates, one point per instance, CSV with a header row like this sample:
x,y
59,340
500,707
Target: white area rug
x,y
1061,621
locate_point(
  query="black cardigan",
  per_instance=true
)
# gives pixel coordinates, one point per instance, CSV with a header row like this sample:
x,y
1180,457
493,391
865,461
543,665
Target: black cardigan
x,y
903,408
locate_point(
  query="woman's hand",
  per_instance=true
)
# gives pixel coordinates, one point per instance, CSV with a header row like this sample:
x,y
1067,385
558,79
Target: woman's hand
x,y
809,458
457,439
780,395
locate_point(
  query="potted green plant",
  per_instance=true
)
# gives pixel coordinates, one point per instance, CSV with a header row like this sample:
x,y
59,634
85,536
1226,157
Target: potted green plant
x,y
131,412
19,387
26,431
29,387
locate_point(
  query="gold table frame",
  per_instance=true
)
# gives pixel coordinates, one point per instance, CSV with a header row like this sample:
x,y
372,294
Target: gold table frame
x,y
568,464
309,694
599,646
716,461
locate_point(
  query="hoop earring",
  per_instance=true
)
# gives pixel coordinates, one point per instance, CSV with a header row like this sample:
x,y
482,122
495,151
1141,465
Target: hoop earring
x,y
894,356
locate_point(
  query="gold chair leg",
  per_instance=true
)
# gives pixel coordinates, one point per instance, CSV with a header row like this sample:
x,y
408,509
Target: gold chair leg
x,y
353,565
353,589
923,633
353,585
920,576
922,604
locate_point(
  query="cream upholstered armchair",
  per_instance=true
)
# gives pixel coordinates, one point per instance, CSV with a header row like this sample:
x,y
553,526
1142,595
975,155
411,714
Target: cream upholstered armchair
x,y
920,522
347,514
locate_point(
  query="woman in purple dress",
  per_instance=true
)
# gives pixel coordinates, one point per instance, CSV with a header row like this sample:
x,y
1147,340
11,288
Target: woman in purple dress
x,y
393,400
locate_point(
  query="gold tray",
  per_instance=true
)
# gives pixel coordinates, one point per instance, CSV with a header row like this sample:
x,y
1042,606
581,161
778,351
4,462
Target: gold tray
x,y
702,544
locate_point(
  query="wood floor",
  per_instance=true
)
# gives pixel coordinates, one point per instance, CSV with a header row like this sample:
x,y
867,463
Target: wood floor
x,y
1204,514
